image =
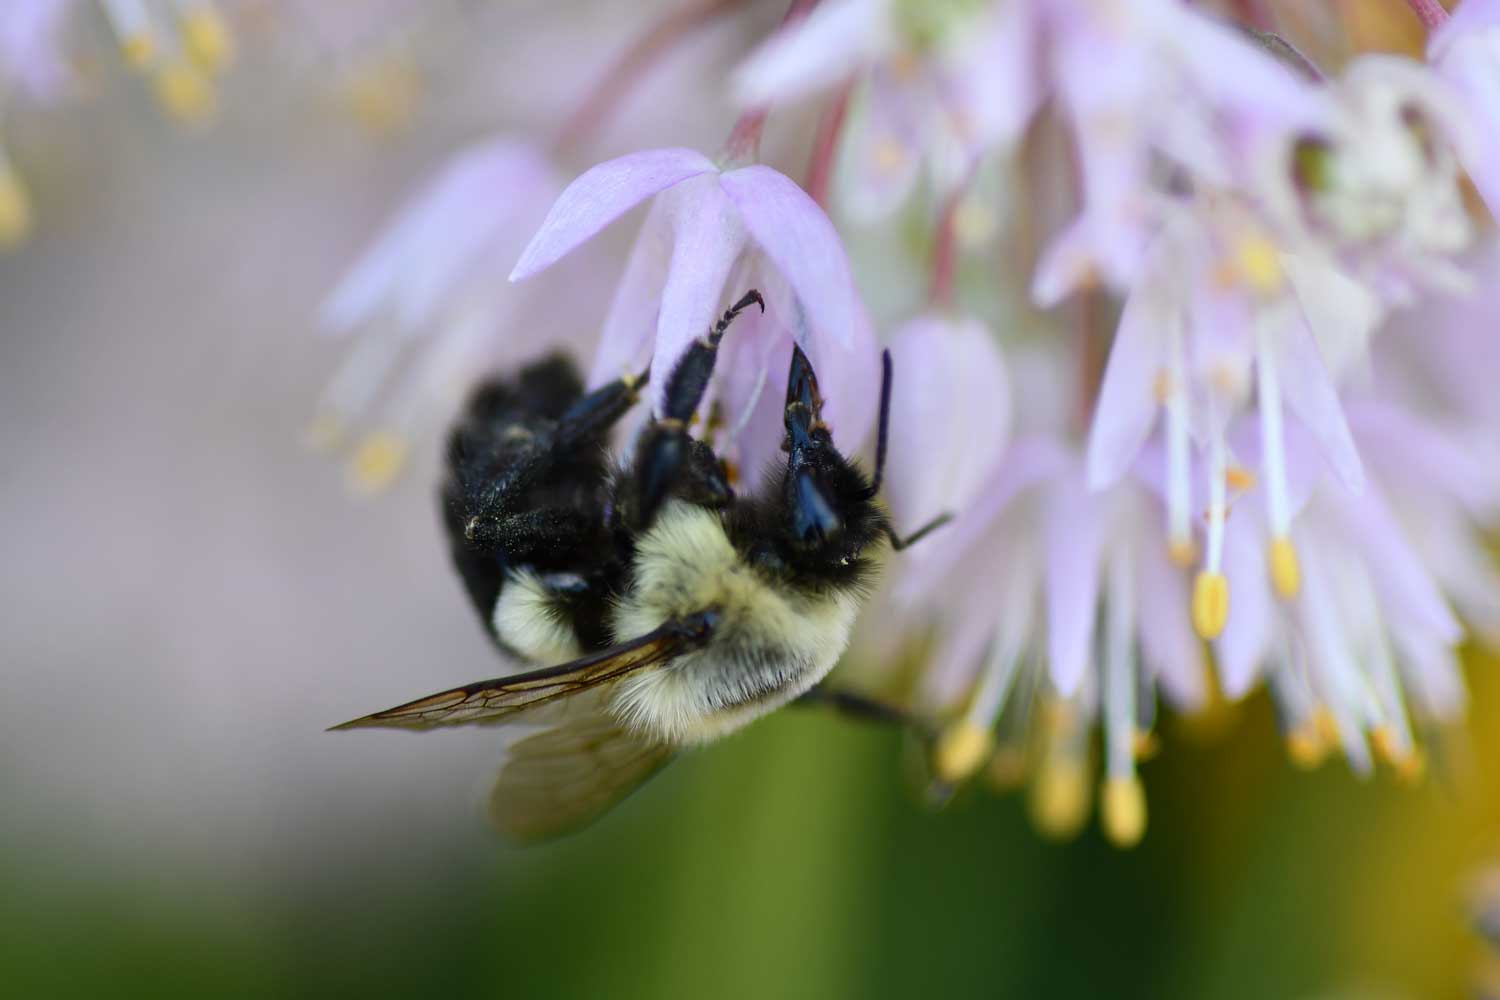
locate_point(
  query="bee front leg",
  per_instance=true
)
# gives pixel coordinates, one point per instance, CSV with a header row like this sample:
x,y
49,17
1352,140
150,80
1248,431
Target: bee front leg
x,y
866,709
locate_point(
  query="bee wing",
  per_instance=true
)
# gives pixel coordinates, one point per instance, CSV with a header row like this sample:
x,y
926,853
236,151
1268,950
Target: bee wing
x,y
503,697
561,779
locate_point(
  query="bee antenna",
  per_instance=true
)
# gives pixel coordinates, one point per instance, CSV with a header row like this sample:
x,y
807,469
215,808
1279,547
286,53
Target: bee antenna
x,y
883,434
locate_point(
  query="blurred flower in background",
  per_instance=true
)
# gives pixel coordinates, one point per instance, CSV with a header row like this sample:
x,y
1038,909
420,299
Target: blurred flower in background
x,y
1191,310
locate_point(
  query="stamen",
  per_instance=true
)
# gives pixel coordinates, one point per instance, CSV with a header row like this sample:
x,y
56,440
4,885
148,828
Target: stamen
x,y
206,37
377,462
1210,604
1007,768
1180,545
15,207
1123,810
1123,802
1306,747
1286,574
961,750
131,22
1059,798
353,387
185,93
1210,611
1259,263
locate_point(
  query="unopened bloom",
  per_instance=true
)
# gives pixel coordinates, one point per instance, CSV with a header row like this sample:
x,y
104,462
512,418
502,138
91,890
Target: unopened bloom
x,y
1375,185
428,301
710,234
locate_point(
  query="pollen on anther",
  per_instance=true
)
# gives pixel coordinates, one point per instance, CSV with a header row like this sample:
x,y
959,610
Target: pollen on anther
x,y
207,39
1060,797
1122,807
185,93
15,209
1286,571
1210,609
377,461
961,750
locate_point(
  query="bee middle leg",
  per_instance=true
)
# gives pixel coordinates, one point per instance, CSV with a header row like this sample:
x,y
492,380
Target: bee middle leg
x,y
866,709
665,453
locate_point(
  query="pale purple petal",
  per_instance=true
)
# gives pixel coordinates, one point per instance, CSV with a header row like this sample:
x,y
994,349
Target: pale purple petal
x,y
801,241
1074,541
882,156
1310,394
630,325
1170,646
1468,18
950,416
600,196
1433,676
1128,403
849,378
1027,463
1245,642
30,47
708,241
1408,594
835,38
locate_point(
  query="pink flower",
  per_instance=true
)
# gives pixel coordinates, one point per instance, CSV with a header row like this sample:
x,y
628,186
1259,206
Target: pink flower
x,y
709,235
1466,51
430,308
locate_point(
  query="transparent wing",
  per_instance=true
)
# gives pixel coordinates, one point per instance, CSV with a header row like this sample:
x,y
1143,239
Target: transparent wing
x,y
561,779
503,697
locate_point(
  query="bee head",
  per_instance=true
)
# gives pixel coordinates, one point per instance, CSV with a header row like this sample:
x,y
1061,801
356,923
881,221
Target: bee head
x,y
828,502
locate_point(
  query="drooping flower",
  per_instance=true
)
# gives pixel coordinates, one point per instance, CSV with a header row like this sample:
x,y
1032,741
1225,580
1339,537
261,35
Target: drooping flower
x,y
941,84
710,234
1219,310
430,306
1366,650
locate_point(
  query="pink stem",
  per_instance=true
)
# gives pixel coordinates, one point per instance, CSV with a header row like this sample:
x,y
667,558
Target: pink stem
x,y
826,144
1429,12
743,144
644,53
944,254
1255,13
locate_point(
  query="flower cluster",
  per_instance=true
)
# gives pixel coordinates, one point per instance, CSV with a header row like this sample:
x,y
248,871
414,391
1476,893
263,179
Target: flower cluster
x,y
1190,319
1290,256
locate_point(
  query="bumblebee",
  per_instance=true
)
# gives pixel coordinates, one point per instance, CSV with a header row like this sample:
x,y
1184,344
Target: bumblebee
x,y
667,610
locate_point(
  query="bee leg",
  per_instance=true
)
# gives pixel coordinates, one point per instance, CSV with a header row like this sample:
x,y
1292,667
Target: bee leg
x,y
882,441
865,709
664,448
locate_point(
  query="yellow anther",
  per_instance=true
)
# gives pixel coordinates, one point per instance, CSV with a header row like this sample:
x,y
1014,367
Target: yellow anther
x,y
1007,769
1286,572
139,50
1161,387
961,750
1060,797
1305,747
973,223
1259,264
206,37
1144,745
377,461
1408,762
15,209
1238,478
1182,551
324,433
185,93
890,155
383,96
1210,604
1328,726
1122,807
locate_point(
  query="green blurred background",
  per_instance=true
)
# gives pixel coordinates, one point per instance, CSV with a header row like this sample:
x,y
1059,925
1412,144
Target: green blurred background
x,y
790,861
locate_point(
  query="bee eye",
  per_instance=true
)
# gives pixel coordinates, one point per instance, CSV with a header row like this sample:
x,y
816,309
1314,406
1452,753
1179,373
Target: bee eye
x,y
813,518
